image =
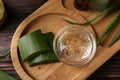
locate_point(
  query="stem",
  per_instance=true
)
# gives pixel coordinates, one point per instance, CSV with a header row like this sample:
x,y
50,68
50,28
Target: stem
x,y
93,19
116,37
110,26
116,4
5,55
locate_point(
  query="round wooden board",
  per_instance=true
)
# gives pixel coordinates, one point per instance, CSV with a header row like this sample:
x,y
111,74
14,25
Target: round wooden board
x,y
2,12
51,22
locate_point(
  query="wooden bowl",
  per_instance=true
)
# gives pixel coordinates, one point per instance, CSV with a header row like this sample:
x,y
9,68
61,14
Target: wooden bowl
x,y
2,13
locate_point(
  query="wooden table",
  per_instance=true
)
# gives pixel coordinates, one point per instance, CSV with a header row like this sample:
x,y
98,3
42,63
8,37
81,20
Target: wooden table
x,y
18,10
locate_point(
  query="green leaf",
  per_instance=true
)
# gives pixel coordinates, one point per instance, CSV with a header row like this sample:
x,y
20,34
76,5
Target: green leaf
x,y
47,57
5,55
4,76
44,58
110,26
113,6
99,5
90,21
31,45
116,37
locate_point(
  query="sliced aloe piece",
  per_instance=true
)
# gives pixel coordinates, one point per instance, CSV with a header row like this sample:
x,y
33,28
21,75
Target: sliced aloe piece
x,y
31,45
48,57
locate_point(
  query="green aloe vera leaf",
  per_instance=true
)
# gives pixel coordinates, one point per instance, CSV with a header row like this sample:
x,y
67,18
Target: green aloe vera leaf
x,y
100,5
48,57
31,45
110,26
113,6
4,76
49,36
116,37
5,55
90,21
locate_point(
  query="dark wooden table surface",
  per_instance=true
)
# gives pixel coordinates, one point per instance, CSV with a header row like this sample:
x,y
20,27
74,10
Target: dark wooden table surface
x,y
18,10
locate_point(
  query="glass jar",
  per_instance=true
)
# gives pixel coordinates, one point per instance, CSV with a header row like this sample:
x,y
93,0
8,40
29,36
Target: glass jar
x,y
74,45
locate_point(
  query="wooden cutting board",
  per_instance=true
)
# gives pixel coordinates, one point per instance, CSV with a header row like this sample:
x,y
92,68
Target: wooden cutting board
x,y
49,17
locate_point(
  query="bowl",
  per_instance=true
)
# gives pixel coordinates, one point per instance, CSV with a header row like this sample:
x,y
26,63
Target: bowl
x,y
74,45
2,13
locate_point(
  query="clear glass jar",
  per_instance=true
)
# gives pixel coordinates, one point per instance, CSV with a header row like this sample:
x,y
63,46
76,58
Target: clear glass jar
x,y
74,45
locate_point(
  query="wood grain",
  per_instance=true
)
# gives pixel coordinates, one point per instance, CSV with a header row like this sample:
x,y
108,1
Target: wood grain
x,y
18,10
44,18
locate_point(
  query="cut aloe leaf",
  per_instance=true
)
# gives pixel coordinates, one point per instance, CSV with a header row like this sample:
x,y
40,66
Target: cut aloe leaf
x,y
32,45
48,57
49,38
43,58
4,76
5,55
